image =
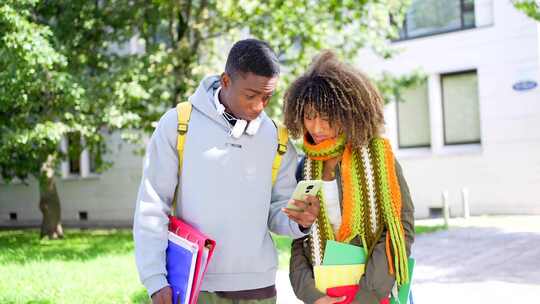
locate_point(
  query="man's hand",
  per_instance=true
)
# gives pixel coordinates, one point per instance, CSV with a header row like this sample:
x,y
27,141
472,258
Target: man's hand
x,y
309,211
162,296
329,300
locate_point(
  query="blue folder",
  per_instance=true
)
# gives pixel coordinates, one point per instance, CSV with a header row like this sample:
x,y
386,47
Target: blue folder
x,y
181,258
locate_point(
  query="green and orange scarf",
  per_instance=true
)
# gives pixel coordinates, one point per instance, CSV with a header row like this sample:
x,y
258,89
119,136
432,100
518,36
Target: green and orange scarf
x,y
371,199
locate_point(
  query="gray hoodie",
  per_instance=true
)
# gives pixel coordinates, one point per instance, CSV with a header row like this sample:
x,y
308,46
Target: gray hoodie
x,y
225,190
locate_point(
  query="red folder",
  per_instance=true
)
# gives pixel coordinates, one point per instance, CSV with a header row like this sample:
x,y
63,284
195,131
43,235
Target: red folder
x,y
183,230
348,291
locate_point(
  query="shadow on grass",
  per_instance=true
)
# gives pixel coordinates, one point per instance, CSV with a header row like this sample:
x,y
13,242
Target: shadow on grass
x,y
24,246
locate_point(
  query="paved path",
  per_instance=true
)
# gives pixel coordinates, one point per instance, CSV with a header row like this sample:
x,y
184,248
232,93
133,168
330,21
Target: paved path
x,y
484,260
480,260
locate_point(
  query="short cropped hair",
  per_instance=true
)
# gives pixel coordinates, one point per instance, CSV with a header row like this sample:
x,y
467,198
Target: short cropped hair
x,y
252,56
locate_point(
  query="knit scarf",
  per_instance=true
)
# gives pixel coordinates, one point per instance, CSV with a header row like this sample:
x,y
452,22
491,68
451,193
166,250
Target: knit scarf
x,y
371,199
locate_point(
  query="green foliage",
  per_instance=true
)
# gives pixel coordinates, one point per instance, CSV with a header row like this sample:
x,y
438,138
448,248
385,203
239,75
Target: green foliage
x,y
45,91
93,67
34,88
299,30
185,40
391,86
529,7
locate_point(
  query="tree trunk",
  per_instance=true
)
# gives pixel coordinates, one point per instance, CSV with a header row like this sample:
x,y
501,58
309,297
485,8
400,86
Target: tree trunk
x,y
49,202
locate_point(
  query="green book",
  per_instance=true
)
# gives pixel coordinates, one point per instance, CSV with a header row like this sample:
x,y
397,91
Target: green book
x,y
405,289
337,253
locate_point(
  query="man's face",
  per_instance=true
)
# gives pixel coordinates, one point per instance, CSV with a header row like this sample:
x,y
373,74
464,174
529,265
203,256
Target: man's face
x,y
247,94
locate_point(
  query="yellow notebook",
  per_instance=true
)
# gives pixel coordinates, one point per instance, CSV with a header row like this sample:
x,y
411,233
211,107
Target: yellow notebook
x,y
328,276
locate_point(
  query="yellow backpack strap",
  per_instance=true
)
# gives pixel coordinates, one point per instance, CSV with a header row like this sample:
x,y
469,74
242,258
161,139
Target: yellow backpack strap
x,y
283,138
183,110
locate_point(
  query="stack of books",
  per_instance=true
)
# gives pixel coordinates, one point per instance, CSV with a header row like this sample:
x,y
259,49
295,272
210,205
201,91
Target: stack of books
x,y
188,254
342,268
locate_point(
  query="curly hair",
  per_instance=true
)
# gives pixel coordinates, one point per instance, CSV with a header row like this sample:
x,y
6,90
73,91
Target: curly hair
x,y
338,92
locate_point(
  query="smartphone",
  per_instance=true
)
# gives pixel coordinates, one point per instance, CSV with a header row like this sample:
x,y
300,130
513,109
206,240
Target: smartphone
x,y
303,189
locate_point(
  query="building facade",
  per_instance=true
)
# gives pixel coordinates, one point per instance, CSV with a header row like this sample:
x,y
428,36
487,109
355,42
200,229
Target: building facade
x,y
472,129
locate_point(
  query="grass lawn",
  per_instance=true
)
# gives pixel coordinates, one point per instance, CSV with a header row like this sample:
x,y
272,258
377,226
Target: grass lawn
x,y
89,266
93,266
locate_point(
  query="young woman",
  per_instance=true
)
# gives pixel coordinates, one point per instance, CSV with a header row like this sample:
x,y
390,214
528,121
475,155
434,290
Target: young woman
x,y
365,200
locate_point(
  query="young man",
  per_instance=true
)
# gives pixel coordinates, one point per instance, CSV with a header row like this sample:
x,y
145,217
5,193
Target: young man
x,y
225,188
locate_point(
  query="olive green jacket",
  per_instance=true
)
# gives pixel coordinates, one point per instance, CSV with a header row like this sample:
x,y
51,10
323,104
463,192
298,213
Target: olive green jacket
x,y
377,282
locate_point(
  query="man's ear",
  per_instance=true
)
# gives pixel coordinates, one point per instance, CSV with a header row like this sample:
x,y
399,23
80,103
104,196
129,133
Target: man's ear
x,y
225,80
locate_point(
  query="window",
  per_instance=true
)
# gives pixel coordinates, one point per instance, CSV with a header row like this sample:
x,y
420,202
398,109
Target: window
x,y
74,153
429,17
80,162
83,215
413,118
95,159
461,113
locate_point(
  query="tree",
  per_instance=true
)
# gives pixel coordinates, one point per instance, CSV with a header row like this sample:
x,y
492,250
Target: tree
x,y
184,40
65,66
53,74
32,81
529,7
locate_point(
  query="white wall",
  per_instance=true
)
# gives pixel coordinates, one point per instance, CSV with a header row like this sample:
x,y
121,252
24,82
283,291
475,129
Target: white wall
x,y
109,198
503,172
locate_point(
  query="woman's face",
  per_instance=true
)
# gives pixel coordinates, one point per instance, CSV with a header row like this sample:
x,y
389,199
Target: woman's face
x,y
318,126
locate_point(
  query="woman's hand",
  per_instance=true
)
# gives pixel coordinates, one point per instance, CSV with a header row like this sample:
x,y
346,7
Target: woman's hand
x,y
308,213
329,300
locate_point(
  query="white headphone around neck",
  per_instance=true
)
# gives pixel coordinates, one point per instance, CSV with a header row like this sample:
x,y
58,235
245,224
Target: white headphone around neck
x,y
241,125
